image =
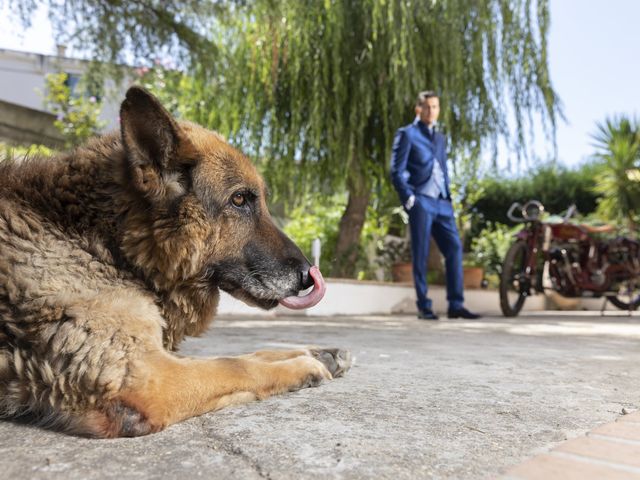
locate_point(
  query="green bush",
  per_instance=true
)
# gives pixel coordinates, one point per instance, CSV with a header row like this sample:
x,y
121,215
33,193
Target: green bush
x,y
315,218
319,217
20,151
490,246
555,186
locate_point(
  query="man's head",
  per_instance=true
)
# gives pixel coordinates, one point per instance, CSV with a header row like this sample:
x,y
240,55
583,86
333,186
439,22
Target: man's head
x,y
428,107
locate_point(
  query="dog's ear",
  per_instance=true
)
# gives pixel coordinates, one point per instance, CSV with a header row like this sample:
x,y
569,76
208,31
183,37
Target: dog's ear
x,y
149,132
151,139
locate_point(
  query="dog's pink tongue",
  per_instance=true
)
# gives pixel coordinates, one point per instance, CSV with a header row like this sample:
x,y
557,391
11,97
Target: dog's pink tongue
x,y
310,299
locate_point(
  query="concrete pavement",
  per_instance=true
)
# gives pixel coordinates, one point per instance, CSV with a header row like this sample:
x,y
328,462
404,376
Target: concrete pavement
x,y
447,399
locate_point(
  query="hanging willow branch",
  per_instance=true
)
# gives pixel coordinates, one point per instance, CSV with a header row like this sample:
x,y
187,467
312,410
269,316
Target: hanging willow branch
x,y
129,31
306,84
322,80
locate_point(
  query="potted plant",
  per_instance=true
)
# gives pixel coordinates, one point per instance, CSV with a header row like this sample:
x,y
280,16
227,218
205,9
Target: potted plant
x,y
473,273
395,255
488,250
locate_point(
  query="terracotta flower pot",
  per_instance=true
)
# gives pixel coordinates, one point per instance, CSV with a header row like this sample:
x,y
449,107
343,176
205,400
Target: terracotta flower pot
x,y
473,277
402,272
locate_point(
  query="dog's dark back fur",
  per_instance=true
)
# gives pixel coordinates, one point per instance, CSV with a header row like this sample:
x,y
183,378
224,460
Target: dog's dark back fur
x,y
82,207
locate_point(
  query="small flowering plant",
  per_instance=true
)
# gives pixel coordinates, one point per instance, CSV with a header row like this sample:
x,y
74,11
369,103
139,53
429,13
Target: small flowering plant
x,y
75,109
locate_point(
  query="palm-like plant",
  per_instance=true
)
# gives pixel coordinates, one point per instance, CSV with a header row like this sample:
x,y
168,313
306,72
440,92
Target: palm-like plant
x,y
617,143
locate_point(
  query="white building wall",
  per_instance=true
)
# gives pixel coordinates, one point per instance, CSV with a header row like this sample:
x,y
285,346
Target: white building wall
x,y
22,81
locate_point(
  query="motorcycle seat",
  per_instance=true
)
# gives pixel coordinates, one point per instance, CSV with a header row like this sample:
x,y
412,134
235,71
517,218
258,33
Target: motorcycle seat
x,y
598,228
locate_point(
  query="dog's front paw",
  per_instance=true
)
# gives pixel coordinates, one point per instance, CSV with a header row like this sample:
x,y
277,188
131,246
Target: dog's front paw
x,y
310,373
336,360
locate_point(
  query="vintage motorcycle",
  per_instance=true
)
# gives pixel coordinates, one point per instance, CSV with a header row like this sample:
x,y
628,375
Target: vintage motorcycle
x,y
568,258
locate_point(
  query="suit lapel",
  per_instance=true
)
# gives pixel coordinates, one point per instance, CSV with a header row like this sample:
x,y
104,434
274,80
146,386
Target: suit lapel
x,y
431,138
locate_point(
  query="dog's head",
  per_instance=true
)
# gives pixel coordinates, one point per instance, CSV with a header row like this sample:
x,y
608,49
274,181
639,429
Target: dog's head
x,y
206,218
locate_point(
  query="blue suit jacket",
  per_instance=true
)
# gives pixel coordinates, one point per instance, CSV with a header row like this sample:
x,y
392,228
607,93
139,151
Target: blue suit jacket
x,y
413,156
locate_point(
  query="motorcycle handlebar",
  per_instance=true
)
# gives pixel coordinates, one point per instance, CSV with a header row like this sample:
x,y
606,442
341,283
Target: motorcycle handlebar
x,y
570,211
510,214
529,212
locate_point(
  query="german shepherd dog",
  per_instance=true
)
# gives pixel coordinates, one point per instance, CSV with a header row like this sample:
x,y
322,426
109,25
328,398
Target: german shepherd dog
x,y
111,254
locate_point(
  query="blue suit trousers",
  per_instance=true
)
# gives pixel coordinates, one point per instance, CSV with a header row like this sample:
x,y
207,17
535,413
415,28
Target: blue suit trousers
x,y
434,217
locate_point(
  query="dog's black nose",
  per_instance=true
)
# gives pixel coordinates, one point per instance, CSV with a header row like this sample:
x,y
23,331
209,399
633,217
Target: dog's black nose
x,y
305,279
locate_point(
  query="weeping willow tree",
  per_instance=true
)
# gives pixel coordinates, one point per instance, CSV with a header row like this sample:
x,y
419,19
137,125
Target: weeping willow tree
x,y
133,31
315,89
323,85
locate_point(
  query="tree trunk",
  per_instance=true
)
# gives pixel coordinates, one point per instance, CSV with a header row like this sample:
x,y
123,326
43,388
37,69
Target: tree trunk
x,y
348,243
351,223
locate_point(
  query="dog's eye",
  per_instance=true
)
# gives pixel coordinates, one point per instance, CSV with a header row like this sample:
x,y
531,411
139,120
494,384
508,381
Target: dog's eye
x,y
239,199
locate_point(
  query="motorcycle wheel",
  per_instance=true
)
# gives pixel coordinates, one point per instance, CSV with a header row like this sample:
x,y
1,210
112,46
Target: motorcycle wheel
x,y
514,285
628,297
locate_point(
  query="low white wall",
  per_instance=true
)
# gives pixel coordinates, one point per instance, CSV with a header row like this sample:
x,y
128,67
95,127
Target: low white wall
x,y
350,297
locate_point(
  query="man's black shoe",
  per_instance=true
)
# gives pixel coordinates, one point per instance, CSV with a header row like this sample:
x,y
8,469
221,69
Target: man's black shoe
x,y
462,313
427,315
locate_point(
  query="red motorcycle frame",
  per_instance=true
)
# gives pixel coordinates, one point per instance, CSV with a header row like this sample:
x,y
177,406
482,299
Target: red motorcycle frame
x,y
569,259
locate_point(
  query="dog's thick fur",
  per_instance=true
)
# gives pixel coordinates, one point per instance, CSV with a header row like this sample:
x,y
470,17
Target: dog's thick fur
x,y
111,254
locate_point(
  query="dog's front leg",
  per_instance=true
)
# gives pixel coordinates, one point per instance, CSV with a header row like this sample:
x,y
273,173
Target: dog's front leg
x,y
336,360
165,389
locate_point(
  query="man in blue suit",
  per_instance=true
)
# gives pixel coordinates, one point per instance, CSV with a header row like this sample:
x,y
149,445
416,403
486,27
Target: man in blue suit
x,y
420,176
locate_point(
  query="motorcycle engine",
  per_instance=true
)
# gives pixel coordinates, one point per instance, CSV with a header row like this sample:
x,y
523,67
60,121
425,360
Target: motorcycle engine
x,y
564,267
622,251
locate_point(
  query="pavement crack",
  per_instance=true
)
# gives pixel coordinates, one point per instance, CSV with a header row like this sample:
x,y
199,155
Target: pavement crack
x,y
475,429
238,452
224,445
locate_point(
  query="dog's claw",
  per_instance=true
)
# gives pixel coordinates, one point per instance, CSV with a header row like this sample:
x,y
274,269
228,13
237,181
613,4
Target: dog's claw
x,y
336,360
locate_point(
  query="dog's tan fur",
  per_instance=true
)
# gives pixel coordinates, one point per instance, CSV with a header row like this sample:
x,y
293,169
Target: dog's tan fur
x,y
111,254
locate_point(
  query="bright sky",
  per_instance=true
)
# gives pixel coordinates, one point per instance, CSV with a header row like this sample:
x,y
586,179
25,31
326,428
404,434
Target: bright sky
x,y
37,39
593,46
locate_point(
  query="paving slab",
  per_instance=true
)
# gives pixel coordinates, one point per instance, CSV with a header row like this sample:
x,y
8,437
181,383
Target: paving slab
x,y
448,399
